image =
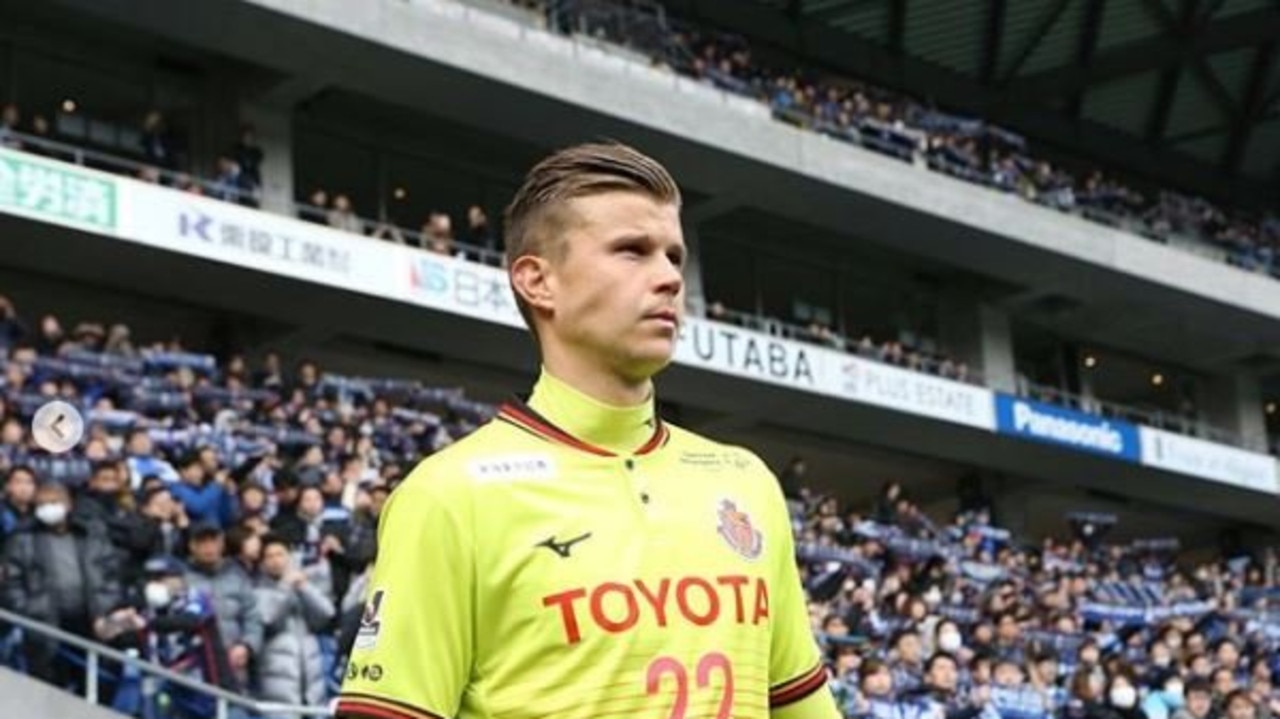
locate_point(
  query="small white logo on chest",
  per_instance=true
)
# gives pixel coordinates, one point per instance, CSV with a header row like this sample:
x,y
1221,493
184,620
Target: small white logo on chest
x,y
509,467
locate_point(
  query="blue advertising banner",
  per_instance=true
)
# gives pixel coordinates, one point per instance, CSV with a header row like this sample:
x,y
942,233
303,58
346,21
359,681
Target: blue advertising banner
x,y
1077,430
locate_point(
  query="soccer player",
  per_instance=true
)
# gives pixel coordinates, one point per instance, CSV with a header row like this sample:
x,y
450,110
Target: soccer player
x,y
577,556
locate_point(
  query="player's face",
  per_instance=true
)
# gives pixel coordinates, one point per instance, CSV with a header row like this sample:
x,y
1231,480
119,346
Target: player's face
x,y
616,289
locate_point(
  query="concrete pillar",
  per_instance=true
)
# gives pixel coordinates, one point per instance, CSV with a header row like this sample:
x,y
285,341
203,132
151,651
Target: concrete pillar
x,y
694,290
980,335
1233,402
275,136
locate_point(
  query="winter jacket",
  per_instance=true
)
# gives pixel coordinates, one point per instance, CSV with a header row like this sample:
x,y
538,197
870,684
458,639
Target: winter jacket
x,y
210,502
234,601
25,586
290,667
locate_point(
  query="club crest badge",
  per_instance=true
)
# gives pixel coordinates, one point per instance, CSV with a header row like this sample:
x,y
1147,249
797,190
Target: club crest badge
x,y
735,527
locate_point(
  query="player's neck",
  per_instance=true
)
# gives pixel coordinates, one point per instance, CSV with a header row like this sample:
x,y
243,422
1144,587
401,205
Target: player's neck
x,y
583,411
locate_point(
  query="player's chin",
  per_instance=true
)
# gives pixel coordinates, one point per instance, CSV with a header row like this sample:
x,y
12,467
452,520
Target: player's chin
x,y
652,354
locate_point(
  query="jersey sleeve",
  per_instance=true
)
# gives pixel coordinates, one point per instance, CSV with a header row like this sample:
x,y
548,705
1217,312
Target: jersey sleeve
x,y
797,676
413,652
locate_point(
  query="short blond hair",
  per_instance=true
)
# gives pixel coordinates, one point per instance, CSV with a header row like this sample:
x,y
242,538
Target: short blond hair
x,y
535,219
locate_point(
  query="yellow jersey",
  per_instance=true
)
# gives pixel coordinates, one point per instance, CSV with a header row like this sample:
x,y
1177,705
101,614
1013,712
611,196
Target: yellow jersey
x,y
525,572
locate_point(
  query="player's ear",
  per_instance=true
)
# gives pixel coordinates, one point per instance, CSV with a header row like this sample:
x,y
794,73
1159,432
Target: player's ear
x,y
531,280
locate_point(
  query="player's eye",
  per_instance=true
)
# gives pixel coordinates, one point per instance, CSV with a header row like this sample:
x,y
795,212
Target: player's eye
x,y
676,258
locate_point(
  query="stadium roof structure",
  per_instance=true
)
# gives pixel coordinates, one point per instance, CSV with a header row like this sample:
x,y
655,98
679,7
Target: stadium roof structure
x,y
1186,91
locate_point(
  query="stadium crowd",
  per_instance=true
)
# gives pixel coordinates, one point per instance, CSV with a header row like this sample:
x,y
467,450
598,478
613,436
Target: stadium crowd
x,y
894,124
239,180
220,518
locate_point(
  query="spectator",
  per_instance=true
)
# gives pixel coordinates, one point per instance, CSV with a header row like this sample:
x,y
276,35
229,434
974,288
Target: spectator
x,y
908,661
19,502
107,503
118,342
157,145
12,329
1122,699
244,547
60,572
204,498
793,477
253,506
10,117
343,217
231,591
877,700
290,669
886,509
182,634
168,520
438,233
306,530
1199,701
1165,696
1084,695
480,235
42,135
316,208
49,340
248,155
143,462
232,185
938,696
1239,705
1224,681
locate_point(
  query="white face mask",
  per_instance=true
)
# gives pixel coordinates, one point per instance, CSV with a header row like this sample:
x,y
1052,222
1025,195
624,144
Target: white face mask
x,y
933,597
1124,697
949,641
51,514
158,595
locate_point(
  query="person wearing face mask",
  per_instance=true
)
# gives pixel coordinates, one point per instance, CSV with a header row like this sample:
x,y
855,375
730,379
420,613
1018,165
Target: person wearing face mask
x,y
1165,696
1122,699
63,573
180,632
947,638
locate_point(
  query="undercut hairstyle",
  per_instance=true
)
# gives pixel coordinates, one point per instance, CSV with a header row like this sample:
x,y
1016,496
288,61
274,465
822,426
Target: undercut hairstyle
x,y
535,221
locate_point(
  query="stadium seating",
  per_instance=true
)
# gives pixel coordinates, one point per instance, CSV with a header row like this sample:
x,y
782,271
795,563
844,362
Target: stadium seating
x,y
873,574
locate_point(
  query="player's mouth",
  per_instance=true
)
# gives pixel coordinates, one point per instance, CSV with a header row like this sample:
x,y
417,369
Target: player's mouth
x,y
668,317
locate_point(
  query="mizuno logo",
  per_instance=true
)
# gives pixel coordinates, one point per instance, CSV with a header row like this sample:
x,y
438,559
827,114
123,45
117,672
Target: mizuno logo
x,y
562,548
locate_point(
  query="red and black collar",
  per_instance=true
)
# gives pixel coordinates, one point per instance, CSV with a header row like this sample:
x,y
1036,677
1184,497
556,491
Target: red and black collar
x,y
520,415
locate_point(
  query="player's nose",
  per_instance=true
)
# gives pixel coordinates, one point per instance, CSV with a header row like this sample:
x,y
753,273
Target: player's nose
x,y
670,278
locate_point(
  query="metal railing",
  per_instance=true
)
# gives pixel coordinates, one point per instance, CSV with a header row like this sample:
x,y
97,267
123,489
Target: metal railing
x,y
1176,422
912,357
187,182
95,653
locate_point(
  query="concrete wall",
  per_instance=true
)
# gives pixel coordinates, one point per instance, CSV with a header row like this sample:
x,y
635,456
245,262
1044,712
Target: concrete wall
x,y
22,696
